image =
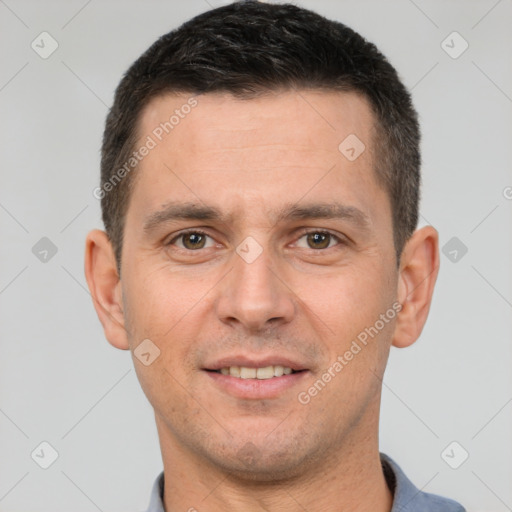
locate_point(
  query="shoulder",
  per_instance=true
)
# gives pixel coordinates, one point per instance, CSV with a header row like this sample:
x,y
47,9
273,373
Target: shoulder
x,y
408,498
157,493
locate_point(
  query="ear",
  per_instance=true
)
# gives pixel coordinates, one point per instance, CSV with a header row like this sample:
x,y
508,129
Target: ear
x,y
419,267
105,287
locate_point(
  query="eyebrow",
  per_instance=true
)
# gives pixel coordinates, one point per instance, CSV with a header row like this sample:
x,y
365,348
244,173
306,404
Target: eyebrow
x,y
180,211
191,211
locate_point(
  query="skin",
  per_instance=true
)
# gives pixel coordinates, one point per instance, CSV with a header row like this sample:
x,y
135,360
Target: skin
x,y
249,159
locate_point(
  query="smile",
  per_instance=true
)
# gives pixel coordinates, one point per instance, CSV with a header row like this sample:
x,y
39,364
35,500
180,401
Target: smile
x,y
266,372
263,383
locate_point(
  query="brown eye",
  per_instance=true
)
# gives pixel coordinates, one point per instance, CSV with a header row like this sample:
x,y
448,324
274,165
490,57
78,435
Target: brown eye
x,y
318,240
193,240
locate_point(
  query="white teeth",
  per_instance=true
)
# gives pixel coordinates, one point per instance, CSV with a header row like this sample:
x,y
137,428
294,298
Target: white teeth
x,y
278,371
267,372
234,371
247,373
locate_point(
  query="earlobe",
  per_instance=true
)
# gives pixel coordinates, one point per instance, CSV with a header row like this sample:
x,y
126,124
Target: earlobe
x,y
105,287
418,273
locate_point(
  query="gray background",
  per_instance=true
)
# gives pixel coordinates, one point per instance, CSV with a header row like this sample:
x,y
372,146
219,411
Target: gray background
x,y
60,380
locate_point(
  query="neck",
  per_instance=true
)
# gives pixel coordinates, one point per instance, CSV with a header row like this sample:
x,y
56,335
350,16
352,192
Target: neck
x,y
349,478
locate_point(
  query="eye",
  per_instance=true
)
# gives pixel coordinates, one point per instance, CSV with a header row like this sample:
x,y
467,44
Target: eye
x,y
318,240
192,241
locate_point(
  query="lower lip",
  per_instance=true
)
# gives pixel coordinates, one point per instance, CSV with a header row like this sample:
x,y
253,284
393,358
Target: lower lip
x,y
256,389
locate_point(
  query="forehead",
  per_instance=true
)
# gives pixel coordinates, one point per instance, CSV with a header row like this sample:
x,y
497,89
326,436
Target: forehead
x,y
245,153
309,120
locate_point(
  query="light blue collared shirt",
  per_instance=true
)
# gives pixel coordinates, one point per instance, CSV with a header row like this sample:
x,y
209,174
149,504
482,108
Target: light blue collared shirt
x,y
406,497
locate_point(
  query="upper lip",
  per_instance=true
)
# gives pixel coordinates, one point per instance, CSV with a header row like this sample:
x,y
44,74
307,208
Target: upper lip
x,y
255,362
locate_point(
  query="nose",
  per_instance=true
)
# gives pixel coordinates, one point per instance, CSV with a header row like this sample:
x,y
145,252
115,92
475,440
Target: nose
x,y
254,295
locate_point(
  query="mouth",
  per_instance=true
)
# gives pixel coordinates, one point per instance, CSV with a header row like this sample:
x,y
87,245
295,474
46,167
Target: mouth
x,y
251,379
261,373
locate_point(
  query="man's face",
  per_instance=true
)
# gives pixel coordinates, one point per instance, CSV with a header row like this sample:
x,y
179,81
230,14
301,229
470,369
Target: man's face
x,y
284,257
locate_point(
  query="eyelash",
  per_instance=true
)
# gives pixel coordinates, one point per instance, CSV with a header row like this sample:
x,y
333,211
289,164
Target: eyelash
x,y
305,232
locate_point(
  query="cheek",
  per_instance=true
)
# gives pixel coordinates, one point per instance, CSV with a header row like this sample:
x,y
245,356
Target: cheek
x,y
347,301
161,308
171,311
347,310
159,302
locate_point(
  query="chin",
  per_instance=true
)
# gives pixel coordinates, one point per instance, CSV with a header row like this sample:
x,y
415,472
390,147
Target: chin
x,y
263,462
